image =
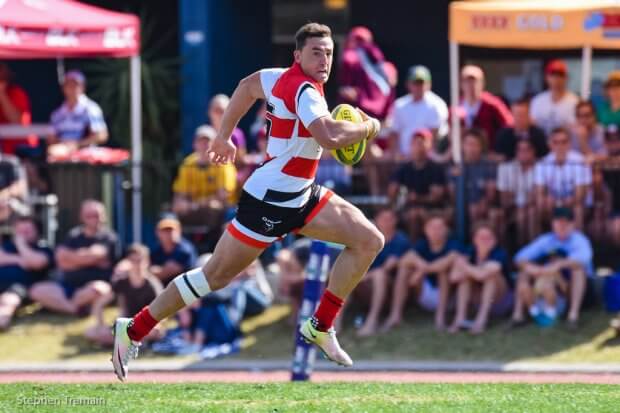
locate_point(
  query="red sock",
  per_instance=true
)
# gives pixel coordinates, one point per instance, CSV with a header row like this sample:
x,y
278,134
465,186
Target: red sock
x,y
328,309
141,325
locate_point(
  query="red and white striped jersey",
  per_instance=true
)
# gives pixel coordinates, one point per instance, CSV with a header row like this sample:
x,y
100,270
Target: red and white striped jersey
x,y
294,101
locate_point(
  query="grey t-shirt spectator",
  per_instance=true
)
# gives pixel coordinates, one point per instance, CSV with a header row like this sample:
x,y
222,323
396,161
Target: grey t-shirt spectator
x,y
77,239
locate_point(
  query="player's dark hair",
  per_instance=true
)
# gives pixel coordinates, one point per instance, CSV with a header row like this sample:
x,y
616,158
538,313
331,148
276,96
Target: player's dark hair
x,y
309,30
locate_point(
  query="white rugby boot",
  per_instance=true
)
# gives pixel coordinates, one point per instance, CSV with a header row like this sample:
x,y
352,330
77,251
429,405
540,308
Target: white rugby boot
x,y
327,342
124,348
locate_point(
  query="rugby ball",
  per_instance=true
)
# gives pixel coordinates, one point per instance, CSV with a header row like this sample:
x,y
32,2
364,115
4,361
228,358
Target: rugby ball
x,y
351,154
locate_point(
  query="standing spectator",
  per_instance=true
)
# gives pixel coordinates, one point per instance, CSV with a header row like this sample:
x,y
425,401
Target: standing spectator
x,y
608,112
563,252
609,168
217,106
173,254
515,183
508,138
479,108
479,175
382,268
482,278
364,75
426,268
203,191
24,260
555,107
424,181
14,108
133,286
562,178
86,259
587,135
420,109
13,188
78,122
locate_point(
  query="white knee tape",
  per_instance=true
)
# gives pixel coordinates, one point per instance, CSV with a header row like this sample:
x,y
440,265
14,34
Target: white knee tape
x,y
192,285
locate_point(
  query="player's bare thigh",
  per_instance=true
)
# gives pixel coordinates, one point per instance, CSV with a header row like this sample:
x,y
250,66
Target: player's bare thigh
x,y
229,258
343,223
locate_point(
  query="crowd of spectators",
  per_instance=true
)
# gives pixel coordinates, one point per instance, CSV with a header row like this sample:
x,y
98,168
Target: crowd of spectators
x,y
540,178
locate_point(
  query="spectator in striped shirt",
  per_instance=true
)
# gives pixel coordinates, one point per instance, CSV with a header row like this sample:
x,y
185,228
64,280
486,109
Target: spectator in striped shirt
x,y
78,122
562,179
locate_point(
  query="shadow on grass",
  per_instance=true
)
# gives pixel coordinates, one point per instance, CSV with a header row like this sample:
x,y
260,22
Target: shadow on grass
x,y
416,339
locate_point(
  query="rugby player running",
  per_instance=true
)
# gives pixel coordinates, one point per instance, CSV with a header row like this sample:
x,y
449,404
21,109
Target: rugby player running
x,y
278,198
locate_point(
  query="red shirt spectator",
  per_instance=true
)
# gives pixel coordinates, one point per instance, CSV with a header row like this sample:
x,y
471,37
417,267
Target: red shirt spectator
x,y
366,79
14,108
479,108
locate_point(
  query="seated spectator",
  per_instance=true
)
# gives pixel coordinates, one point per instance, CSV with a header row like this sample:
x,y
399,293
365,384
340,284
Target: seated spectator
x,y
173,254
419,109
517,195
479,175
86,259
609,170
24,260
479,108
555,107
562,178
563,252
363,75
587,135
13,188
426,269
424,182
523,130
78,122
608,113
133,287
382,269
204,191
217,106
14,109
482,278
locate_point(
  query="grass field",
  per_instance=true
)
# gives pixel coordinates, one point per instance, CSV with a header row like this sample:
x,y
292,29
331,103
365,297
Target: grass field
x,y
48,337
308,397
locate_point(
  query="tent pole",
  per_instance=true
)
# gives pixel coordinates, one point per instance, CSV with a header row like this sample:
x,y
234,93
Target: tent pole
x,y
455,127
455,139
586,71
136,147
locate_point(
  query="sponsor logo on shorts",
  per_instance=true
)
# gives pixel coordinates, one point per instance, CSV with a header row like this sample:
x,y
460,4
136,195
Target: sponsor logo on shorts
x,y
270,224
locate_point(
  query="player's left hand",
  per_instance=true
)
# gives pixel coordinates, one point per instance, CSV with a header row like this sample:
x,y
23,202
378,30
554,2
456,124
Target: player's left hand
x,y
374,124
222,151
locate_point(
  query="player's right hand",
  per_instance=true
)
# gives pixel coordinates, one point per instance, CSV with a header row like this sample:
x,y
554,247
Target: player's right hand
x,y
374,126
222,151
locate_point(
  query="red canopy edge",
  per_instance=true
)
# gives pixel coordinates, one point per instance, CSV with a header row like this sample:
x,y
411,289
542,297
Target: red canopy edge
x,y
65,28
